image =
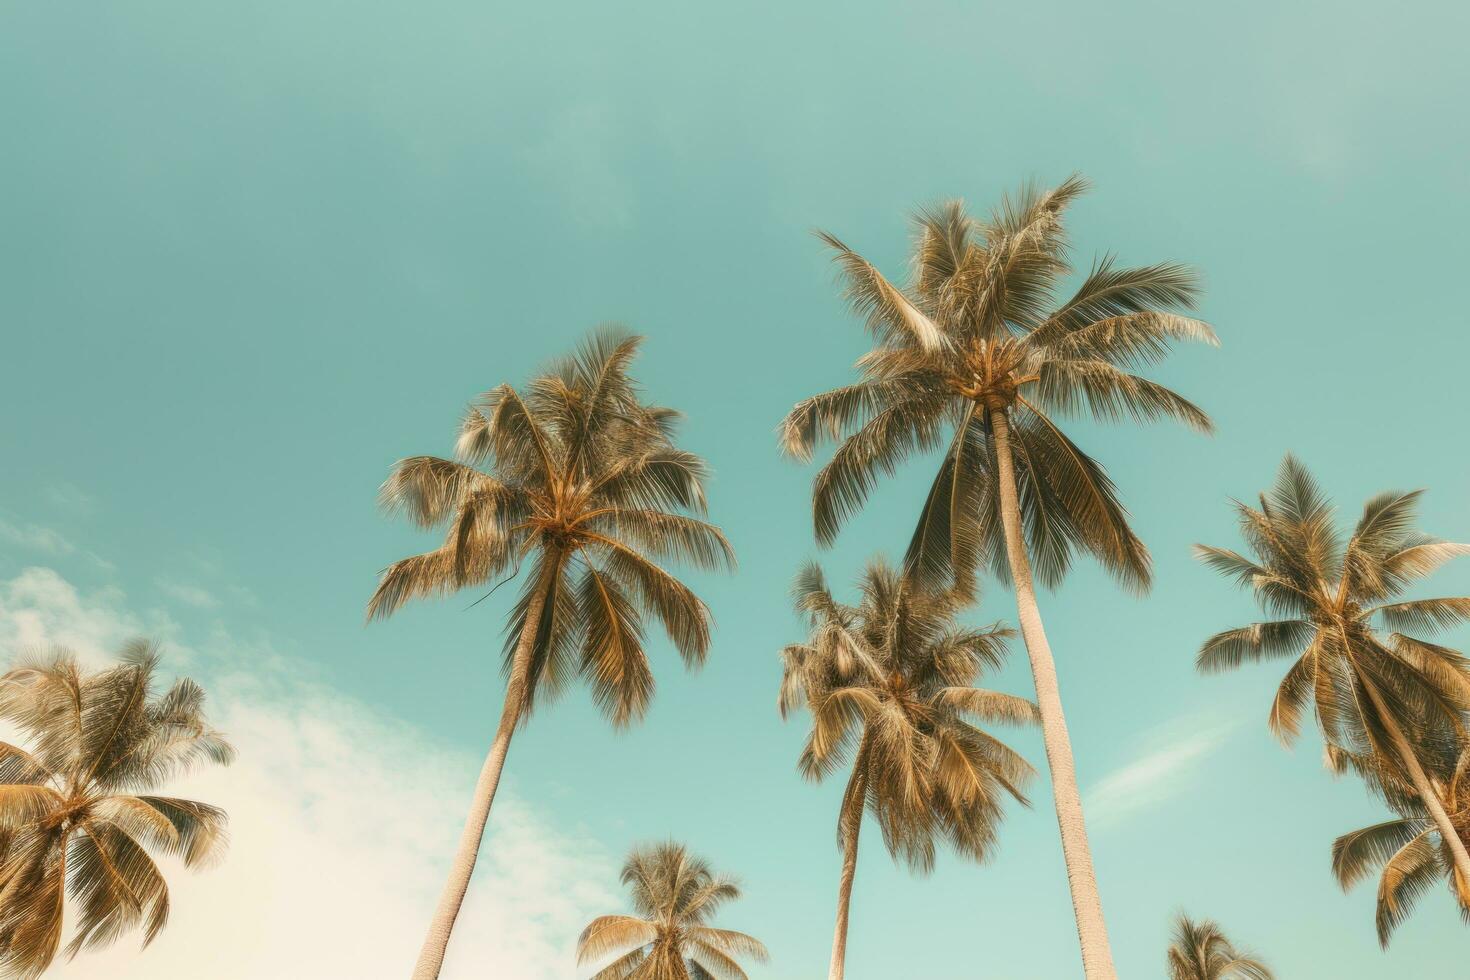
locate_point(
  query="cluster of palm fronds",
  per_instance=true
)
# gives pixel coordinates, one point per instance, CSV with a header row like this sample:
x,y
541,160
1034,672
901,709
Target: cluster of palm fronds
x,y
574,484
79,821
1391,706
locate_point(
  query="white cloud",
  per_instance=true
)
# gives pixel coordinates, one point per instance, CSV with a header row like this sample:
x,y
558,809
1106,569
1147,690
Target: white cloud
x,y
342,822
39,609
1165,770
36,538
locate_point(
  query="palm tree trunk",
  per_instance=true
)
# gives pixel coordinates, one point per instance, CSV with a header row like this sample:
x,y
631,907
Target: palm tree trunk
x,y
852,821
1427,793
1097,956
431,957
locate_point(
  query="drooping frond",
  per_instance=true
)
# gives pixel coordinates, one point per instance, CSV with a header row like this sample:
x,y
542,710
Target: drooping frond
x,y
890,315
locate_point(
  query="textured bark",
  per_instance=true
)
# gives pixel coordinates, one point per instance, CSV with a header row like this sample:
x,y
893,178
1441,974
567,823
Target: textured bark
x,y
1427,793
852,818
1097,956
431,957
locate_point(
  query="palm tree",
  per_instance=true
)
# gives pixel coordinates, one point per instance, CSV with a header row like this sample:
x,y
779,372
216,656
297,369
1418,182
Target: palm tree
x,y
675,894
977,356
888,683
1200,951
79,824
1374,696
1409,853
581,481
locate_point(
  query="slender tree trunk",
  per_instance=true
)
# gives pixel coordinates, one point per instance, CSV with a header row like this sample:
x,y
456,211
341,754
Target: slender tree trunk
x,y
1097,956
431,957
852,819
1420,779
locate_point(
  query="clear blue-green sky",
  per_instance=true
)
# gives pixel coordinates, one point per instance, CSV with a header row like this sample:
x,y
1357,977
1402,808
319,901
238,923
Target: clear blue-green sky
x,y
253,253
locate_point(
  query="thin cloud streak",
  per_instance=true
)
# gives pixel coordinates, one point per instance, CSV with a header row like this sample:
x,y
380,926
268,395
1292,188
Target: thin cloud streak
x,y
1160,773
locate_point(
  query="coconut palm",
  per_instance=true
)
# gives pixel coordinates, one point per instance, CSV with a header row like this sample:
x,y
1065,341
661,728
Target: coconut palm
x,y
888,683
1374,695
978,356
579,483
79,822
675,894
1409,854
1200,951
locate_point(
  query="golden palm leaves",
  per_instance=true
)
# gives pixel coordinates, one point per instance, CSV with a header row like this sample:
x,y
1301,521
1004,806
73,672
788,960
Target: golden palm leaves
x,y
1389,704
982,328
578,482
1200,951
888,683
1410,854
79,823
669,936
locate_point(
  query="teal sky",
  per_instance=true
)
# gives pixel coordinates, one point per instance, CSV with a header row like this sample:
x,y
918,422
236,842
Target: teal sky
x,y
254,253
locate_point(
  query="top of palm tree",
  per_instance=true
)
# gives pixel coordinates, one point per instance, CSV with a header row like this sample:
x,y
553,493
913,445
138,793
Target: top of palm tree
x,y
77,814
675,896
1333,593
1200,951
574,472
982,327
889,686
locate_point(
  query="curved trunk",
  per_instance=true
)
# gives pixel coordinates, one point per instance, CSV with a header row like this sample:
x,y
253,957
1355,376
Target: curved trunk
x,y
1428,795
1097,956
431,957
852,819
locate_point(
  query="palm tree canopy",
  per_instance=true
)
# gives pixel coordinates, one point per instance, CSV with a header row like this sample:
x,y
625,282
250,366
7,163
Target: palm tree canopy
x,y
888,683
577,477
982,327
1200,951
1332,596
669,936
79,821
1407,853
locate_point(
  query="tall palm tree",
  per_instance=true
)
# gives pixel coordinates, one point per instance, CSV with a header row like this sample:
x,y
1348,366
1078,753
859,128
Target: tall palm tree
x,y
889,686
79,821
675,894
978,356
1374,696
1408,853
580,483
1200,951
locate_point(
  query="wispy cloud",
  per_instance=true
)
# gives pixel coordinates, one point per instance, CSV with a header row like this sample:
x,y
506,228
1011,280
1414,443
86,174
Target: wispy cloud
x,y
342,821
1167,767
189,595
71,498
36,538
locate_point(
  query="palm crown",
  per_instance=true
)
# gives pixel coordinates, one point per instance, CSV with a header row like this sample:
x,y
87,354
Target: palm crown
x,y
675,895
1333,594
78,823
1200,951
583,481
980,330
888,683
1409,852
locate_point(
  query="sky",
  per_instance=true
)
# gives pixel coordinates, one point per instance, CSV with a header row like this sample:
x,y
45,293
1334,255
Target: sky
x,y
254,253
